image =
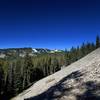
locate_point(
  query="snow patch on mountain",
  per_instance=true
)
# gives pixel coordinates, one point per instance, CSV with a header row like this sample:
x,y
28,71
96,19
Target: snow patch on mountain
x,y
34,50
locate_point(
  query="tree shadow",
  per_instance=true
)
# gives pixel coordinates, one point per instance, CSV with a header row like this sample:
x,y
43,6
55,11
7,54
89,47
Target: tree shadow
x,y
92,91
59,89
62,88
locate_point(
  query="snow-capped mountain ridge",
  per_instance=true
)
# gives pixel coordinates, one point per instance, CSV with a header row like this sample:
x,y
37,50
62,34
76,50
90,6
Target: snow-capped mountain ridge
x,y
23,51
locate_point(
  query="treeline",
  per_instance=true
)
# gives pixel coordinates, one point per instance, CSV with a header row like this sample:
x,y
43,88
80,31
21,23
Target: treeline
x,y
20,73
75,54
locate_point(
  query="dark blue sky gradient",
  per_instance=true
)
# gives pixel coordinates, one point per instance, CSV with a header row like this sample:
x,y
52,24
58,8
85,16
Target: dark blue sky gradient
x,y
48,23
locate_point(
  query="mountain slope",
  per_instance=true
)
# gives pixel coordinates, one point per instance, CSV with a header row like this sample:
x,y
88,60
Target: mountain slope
x,y
23,51
78,81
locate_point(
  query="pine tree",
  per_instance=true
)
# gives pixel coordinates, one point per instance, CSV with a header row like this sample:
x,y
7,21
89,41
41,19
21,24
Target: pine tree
x,y
1,80
27,70
9,86
97,41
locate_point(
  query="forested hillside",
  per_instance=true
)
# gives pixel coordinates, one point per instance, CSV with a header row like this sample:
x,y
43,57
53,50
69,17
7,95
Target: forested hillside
x,y
18,73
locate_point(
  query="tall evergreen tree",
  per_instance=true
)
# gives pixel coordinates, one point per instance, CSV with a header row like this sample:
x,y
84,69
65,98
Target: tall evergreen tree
x,y
97,41
27,70
9,86
1,80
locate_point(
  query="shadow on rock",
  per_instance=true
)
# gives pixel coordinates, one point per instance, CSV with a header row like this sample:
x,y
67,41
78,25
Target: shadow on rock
x,y
92,91
62,89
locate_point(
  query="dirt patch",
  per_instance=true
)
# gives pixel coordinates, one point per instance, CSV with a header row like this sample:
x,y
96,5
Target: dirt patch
x,y
50,80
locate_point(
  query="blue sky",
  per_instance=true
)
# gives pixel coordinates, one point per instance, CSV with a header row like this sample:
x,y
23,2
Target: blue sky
x,y
54,24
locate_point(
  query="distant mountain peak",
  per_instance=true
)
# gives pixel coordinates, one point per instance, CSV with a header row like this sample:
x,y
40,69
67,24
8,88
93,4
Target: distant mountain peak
x,y
23,51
